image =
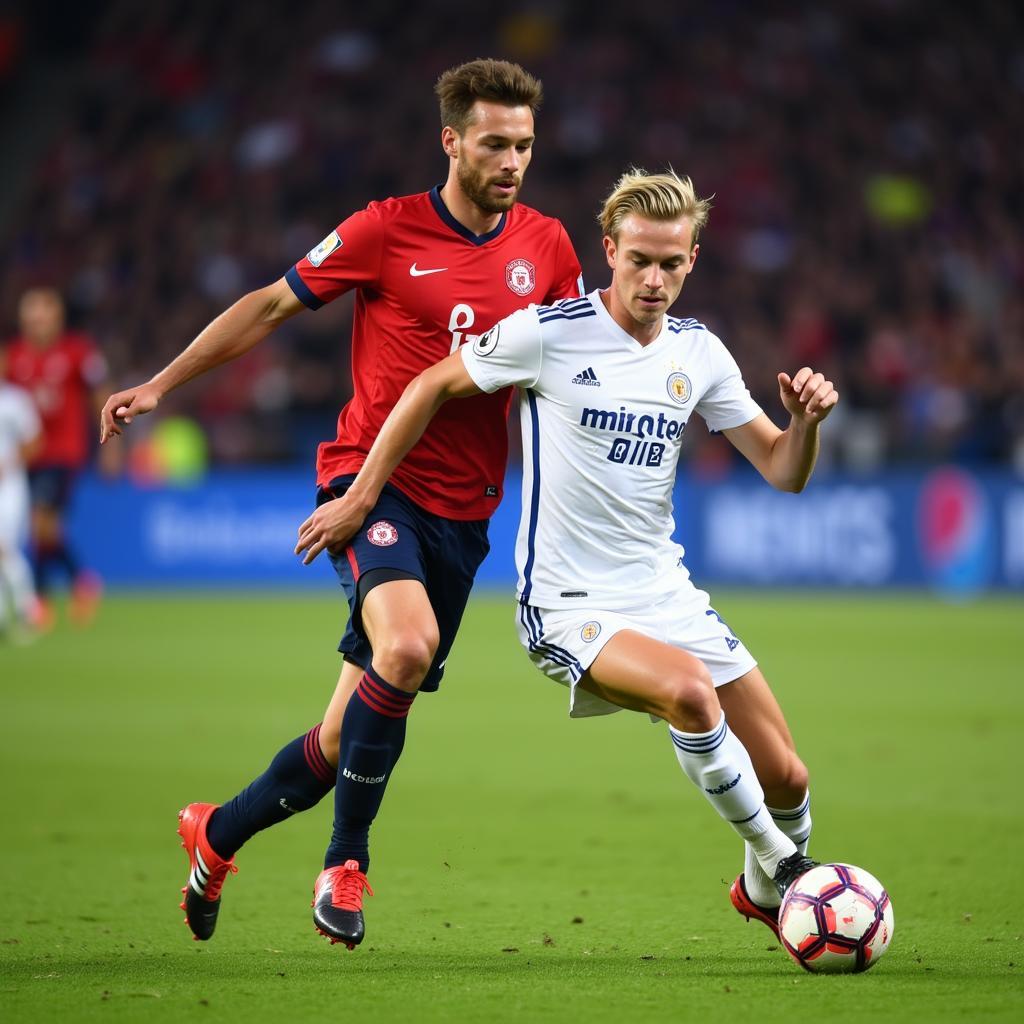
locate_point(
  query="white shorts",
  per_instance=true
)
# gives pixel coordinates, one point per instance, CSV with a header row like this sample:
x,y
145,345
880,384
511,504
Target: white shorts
x,y
564,642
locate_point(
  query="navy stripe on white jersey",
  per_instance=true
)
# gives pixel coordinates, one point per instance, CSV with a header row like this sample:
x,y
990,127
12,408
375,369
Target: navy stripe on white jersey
x,y
675,325
566,309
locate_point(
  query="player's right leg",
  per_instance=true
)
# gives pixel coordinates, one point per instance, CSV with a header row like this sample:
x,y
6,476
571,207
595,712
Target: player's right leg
x,y
44,534
755,716
399,623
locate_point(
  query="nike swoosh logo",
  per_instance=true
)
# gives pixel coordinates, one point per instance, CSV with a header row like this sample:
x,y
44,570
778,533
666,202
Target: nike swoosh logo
x,y
414,271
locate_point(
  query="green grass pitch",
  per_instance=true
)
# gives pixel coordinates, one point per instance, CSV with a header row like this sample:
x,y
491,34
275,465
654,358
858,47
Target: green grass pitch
x,y
528,868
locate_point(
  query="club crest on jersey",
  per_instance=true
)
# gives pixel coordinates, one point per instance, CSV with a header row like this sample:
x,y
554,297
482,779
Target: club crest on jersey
x,y
590,631
382,533
521,277
679,388
317,255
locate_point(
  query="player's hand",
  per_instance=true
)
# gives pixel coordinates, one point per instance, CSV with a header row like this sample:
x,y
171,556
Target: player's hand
x,y
807,396
331,526
124,406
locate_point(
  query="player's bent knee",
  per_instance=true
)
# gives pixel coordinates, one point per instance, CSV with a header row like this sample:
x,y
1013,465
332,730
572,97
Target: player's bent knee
x,y
405,659
690,703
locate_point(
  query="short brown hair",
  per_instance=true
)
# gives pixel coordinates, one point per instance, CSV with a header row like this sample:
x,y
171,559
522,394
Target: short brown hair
x,y
655,197
496,81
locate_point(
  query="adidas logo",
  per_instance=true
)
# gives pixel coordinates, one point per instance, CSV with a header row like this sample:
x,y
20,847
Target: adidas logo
x,y
588,377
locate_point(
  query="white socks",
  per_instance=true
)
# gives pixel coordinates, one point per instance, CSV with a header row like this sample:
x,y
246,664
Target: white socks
x,y
718,764
796,824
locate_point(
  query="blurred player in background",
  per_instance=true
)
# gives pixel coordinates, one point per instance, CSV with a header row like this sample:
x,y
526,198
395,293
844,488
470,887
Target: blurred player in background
x,y
606,605
20,439
65,374
431,270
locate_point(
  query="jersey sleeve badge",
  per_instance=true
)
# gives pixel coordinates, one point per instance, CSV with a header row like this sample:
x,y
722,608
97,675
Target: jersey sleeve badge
x,y
317,255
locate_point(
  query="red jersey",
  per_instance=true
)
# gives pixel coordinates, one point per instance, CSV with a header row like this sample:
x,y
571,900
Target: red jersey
x,y
60,378
425,285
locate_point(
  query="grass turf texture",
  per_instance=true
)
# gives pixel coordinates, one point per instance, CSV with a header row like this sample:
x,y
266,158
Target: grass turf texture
x,y
528,868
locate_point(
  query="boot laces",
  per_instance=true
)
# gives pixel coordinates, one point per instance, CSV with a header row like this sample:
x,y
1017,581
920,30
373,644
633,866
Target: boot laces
x,y
347,886
218,875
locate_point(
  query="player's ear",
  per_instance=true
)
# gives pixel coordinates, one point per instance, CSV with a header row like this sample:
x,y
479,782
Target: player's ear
x,y
609,250
450,141
693,255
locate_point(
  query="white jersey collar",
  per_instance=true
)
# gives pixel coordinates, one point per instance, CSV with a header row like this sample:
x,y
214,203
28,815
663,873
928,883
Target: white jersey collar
x,y
609,323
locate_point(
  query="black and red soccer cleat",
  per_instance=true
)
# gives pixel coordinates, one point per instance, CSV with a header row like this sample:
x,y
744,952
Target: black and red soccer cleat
x,y
749,909
790,869
338,903
207,871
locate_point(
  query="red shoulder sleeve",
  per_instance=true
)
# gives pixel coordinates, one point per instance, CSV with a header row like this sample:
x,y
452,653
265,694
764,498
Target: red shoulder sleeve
x,y
567,280
349,257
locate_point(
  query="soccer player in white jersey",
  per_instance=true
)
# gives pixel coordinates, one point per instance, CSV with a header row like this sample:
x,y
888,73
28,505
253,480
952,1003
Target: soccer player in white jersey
x,y
606,606
20,437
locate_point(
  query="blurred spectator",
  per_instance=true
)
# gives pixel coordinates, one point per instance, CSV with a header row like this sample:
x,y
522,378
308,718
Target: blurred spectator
x,y
866,161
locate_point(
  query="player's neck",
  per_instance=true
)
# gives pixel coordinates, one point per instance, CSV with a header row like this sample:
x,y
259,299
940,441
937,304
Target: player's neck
x,y
642,334
466,212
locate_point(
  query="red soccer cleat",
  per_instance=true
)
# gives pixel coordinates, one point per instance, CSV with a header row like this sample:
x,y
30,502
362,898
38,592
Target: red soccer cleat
x,y
338,903
749,909
86,592
207,871
42,616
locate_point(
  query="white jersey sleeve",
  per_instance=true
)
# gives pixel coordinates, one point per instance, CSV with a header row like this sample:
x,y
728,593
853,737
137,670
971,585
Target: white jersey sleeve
x,y
726,402
509,353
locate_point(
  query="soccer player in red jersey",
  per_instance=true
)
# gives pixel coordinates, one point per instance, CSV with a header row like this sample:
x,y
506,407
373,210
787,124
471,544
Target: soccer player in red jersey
x,y
432,272
63,371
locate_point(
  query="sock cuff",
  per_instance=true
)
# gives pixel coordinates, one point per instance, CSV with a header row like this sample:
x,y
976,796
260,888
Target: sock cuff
x,y
794,814
318,764
382,697
700,742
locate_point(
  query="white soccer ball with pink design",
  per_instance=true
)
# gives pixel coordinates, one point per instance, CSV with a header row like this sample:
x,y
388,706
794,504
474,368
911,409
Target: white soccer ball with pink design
x,y
836,918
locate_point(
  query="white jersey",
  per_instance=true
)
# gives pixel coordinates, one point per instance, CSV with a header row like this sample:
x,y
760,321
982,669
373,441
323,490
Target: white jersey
x,y
602,420
19,424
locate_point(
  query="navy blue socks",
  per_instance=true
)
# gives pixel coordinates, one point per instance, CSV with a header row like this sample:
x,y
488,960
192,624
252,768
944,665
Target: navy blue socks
x,y
372,737
298,778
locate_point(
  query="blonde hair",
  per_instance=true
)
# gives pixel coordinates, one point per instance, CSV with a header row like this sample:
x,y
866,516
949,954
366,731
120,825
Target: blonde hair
x,y
656,197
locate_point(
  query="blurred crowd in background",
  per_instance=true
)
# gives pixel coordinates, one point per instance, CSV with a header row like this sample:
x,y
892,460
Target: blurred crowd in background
x,y
866,161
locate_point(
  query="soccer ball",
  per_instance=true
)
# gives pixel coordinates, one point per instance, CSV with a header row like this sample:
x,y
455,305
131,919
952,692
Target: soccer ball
x,y
835,919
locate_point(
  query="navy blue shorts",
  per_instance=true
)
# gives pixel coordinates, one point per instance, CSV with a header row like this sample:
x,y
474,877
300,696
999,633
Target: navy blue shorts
x,y
399,535
50,486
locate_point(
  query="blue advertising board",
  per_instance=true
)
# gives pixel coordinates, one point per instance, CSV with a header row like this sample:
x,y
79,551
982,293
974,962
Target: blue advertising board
x,y
949,528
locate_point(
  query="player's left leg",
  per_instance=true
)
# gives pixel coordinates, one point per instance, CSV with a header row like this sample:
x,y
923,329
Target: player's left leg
x,y
755,716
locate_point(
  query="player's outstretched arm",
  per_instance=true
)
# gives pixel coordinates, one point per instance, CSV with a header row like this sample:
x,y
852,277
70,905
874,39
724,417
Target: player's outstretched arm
x,y
785,458
334,522
234,332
